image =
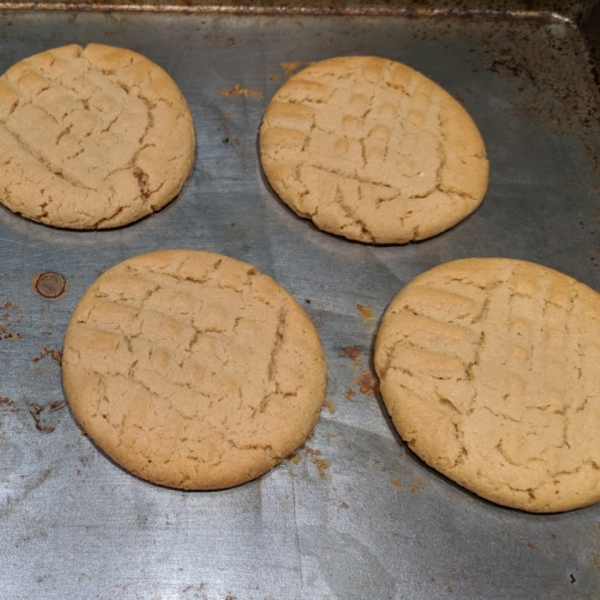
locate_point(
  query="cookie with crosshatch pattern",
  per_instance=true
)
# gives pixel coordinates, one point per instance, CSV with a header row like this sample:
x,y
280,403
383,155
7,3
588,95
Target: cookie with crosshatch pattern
x,y
91,138
193,370
490,370
372,150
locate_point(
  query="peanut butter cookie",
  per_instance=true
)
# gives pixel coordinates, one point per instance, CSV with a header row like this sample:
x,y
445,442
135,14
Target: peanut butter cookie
x,y
91,138
372,150
193,370
490,370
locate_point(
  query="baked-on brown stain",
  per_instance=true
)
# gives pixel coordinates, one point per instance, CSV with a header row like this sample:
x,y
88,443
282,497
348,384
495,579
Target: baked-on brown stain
x,y
351,352
418,485
56,355
38,412
396,483
310,451
322,465
10,405
377,463
49,284
13,336
240,91
6,319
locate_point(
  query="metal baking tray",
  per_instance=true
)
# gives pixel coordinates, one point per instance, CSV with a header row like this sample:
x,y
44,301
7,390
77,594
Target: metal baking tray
x,y
353,515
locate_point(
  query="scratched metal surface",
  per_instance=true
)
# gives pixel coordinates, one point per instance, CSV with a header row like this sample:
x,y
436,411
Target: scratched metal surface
x,y
355,515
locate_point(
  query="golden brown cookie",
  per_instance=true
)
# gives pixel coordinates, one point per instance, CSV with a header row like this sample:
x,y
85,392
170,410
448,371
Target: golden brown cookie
x,y
91,138
193,370
490,370
372,150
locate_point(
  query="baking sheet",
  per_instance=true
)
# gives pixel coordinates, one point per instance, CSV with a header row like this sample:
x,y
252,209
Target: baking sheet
x,y
354,514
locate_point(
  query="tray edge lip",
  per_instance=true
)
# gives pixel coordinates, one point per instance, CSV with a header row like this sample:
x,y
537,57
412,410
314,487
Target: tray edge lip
x,y
281,10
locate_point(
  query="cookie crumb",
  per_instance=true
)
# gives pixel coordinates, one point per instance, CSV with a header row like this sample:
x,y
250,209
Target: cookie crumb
x,y
330,405
290,67
366,312
367,383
